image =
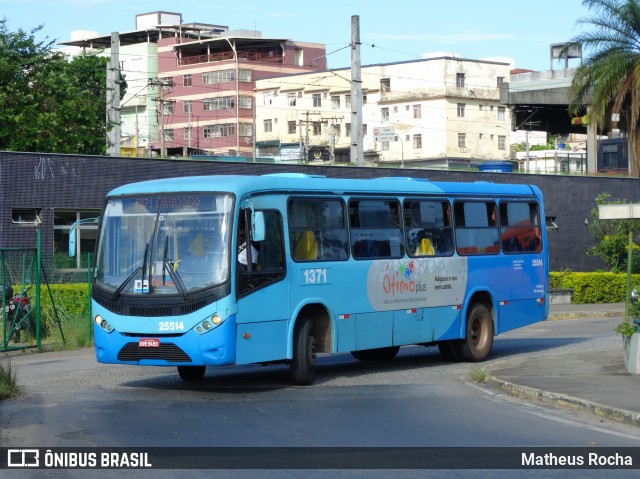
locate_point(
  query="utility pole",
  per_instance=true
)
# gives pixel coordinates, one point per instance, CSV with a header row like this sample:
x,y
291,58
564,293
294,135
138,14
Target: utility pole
x,y
357,152
306,136
113,100
161,84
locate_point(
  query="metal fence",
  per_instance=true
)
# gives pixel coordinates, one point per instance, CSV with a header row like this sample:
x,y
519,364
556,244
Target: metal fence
x,y
36,314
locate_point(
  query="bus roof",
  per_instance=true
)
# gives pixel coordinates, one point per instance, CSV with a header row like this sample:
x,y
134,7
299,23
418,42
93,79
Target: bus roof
x,y
242,185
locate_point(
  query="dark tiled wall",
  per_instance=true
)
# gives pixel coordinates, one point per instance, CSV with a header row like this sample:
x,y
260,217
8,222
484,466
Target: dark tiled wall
x,y
75,182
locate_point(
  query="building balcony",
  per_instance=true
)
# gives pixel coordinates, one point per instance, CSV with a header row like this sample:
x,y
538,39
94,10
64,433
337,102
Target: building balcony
x,y
243,56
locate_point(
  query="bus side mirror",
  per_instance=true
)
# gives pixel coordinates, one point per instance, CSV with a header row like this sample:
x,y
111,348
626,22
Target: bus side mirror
x,y
257,226
72,234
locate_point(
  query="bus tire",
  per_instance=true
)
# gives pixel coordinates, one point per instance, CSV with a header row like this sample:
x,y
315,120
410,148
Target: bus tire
x,y
477,346
303,364
191,373
378,354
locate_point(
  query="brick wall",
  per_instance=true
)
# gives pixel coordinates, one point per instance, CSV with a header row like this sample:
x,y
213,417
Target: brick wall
x,y
75,182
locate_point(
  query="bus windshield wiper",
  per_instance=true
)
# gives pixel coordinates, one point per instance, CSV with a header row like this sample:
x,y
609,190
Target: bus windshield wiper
x,y
125,283
131,277
168,266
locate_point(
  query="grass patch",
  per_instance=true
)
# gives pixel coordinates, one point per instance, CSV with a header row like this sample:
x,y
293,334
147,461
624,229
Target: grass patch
x,y
8,380
477,375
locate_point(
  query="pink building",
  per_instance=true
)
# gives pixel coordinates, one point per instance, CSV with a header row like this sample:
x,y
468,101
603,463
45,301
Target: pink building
x,y
206,98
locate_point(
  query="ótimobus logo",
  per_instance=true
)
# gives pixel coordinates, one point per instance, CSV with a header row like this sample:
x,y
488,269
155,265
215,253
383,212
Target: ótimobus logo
x,y
23,458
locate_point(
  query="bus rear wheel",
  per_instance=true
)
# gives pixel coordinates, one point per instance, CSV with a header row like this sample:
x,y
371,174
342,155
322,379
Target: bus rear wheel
x,y
378,354
303,364
191,373
477,346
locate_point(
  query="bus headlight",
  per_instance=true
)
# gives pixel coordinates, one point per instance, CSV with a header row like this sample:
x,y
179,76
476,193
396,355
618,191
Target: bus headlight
x,y
208,324
104,325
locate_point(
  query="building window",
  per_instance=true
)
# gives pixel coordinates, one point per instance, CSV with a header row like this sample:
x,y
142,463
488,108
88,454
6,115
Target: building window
x,y
267,98
347,102
384,114
220,76
502,113
85,239
217,131
268,126
461,110
502,142
244,76
291,99
347,130
462,140
26,216
187,80
245,102
186,106
167,108
384,146
417,111
500,81
317,128
245,129
364,98
417,142
187,133
385,85
291,127
364,130
317,100
460,80
219,103
168,135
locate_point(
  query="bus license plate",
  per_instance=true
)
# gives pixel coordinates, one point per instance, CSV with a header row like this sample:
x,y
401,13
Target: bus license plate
x,y
148,343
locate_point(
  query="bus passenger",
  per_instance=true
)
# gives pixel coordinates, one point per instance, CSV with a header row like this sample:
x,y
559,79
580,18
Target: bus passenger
x,y
242,251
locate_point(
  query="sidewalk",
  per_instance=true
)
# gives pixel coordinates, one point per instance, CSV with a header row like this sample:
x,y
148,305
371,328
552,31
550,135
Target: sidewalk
x,y
596,381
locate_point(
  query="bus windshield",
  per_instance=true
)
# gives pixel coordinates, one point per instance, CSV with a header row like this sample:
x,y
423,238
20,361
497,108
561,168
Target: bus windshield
x,y
164,245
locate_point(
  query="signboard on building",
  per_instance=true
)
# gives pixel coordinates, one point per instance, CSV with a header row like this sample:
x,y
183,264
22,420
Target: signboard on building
x,y
384,133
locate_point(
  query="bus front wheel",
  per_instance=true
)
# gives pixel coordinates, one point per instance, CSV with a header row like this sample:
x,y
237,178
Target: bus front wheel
x,y
191,373
303,364
477,346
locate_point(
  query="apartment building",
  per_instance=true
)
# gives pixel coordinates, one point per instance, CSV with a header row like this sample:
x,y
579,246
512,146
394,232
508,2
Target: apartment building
x,y
194,82
442,111
207,88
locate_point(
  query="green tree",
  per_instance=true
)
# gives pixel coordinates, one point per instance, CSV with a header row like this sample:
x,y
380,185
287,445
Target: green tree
x,y
612,238
609,79
47,103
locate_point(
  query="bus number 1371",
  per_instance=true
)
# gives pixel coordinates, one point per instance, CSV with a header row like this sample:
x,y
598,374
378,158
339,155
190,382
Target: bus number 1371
x,y
314,276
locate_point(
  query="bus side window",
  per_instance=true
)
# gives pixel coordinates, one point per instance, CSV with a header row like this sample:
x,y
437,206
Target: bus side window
x,y
376,228
520,227
428,228
267,255
317,229
476,228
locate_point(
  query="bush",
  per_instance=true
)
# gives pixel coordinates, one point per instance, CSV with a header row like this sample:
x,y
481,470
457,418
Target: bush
x,y
593,287
72,308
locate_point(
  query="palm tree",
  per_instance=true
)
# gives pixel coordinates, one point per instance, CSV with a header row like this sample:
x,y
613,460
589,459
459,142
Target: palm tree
x,y
609,79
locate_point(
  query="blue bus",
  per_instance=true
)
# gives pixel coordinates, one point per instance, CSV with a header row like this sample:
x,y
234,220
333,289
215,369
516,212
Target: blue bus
x,y
219,270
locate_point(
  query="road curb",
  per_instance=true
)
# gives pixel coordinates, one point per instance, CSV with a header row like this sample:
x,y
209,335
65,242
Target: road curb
x,y
583,315
564,400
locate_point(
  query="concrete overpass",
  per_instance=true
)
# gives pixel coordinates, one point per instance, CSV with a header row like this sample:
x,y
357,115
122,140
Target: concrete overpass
x,y
540,101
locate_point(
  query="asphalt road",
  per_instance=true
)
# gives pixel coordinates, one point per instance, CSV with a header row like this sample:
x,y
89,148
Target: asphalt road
x,y
416,400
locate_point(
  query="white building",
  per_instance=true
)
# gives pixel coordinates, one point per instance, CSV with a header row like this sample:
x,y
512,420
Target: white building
x,y
444,111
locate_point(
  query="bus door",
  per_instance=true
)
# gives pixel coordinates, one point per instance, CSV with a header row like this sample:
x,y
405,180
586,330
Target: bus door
x,y
262,295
